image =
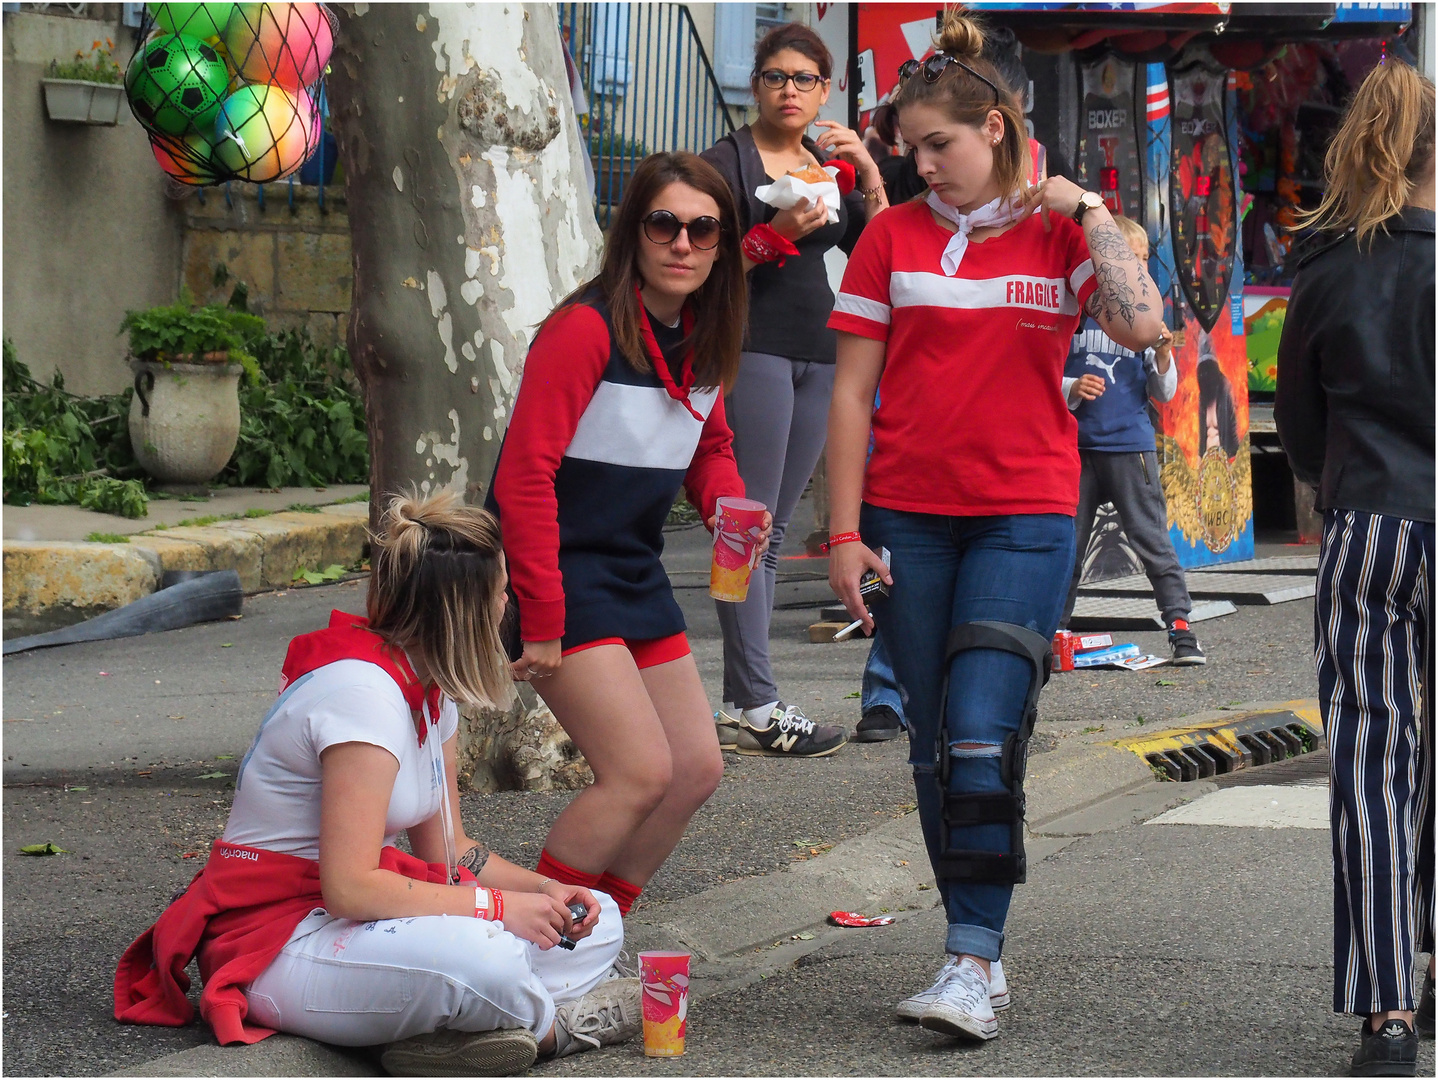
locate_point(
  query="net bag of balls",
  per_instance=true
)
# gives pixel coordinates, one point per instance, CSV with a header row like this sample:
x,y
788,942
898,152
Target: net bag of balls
x,y
231,91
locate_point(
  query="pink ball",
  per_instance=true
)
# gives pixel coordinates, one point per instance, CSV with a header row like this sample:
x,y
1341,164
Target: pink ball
x,y
286,45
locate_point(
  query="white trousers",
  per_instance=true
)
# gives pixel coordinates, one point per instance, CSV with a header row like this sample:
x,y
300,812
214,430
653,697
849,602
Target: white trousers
x,y
361,984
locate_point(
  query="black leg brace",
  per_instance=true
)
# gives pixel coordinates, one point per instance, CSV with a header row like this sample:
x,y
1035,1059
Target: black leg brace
x,y
963,865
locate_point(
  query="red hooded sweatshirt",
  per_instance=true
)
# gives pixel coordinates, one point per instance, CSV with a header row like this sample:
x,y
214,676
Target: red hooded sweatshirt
x,y
243,905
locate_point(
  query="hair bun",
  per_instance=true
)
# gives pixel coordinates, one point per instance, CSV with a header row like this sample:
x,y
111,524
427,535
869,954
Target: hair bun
x,y
960,37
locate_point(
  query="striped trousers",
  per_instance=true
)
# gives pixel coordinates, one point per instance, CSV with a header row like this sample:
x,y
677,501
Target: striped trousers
x,y
1373,624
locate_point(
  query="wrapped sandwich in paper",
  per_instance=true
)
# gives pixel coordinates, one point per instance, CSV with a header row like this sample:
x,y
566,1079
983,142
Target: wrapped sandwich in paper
x,y
830,183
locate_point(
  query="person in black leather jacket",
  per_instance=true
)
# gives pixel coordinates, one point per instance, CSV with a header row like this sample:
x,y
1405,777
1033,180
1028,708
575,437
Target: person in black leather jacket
x,y
1354,408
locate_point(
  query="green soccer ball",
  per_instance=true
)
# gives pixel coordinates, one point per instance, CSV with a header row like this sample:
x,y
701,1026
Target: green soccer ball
x,y
196,20
175,84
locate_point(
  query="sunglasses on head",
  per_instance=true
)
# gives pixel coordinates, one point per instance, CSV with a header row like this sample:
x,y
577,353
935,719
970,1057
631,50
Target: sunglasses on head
x,y
934,67
662,227
775,79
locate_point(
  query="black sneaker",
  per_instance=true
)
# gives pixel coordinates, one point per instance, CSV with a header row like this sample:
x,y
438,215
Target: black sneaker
x,y
790,734
1392,1050
1423,1018
879,724
1186,652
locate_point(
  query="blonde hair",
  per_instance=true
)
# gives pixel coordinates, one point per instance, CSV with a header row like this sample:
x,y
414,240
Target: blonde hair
x,y
967,100
435,582
1133,232
1379,153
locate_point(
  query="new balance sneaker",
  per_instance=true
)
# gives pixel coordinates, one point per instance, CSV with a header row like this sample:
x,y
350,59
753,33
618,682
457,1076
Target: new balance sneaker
x,y
962,1007
1392,1050
509,1052
727,722
608,1014
911,1008
789,733
1186,651
1423,1018
878,724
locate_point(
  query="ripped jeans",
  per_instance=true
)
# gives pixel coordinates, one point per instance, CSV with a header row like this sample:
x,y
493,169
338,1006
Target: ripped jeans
x,y
946,570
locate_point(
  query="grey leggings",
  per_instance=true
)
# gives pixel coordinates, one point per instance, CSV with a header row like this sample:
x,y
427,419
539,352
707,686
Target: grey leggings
x,y
779,410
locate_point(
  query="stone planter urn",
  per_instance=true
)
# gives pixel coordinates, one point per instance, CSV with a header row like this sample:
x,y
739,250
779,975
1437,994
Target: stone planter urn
x,y
185,417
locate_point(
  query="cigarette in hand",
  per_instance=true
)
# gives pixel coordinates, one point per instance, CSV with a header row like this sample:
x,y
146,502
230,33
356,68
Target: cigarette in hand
x,y
848,630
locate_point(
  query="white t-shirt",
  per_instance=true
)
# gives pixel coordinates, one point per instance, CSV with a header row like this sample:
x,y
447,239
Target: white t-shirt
x,y
277,791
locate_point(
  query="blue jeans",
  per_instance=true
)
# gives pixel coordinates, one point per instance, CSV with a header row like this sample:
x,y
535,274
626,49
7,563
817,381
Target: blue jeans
x,y
949,570
879,686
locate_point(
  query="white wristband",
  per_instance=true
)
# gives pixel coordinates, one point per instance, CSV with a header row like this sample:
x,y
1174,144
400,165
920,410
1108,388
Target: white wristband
x,y
483,906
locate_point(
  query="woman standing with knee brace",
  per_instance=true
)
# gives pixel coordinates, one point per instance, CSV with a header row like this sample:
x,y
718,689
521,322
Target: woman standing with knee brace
x,y
619,408
780,401
959,310
308,919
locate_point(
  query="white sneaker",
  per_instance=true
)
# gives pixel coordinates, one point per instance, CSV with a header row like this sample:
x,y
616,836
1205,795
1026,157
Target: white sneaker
x,y
509,1052
962,1007
608,1014
727,722
911,1008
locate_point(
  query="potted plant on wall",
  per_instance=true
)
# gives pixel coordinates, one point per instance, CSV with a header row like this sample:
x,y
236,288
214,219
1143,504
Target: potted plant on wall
x,y
86,90
187,361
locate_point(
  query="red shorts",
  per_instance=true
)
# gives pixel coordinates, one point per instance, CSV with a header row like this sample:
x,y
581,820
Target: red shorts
x,y
647,652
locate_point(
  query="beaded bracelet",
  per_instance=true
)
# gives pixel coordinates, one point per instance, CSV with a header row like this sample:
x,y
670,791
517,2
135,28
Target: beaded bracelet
x,y
763,244
841,538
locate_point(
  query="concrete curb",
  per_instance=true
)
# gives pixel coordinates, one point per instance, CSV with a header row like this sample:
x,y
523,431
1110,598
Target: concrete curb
x,y
55,583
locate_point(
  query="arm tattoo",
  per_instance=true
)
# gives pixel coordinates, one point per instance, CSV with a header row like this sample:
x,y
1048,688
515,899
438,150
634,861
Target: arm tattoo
x,y
475,858
1108,243
1114,294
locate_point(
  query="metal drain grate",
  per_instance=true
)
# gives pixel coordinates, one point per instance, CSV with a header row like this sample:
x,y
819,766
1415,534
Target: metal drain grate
x,y
1196,753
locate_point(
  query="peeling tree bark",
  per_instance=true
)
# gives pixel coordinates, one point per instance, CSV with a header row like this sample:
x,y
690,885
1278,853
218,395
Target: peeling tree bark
x,y
469,220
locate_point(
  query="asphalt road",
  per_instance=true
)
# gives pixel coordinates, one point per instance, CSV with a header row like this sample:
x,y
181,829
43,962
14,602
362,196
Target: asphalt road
x,y
109,746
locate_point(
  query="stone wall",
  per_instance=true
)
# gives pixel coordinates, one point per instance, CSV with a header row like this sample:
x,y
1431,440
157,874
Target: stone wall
x,y
292,253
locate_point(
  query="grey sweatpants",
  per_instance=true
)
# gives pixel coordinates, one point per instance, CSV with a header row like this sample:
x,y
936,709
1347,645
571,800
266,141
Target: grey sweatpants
x,y
1130,481
779,412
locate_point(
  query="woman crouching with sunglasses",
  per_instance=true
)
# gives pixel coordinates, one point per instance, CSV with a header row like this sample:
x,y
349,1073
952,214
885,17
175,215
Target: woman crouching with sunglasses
x,y
308,919
959,309
620,406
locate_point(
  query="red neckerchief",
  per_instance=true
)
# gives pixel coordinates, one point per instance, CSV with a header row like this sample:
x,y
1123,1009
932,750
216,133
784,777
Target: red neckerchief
x,y
348,637
661,366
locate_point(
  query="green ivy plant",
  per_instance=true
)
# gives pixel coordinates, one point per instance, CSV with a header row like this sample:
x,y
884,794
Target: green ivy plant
x,y
61,448
167,333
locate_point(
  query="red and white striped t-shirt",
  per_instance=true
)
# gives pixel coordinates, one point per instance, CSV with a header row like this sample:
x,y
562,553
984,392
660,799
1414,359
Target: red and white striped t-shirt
x,y
972,418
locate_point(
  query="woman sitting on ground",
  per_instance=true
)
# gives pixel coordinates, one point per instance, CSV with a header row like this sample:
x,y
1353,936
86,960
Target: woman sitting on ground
x,y
307,919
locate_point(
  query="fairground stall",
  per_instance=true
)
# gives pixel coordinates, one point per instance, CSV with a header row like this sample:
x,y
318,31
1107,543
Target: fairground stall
x,y
1207,123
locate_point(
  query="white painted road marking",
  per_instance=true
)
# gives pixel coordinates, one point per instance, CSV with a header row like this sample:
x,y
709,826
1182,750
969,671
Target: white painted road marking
x,y
1261,806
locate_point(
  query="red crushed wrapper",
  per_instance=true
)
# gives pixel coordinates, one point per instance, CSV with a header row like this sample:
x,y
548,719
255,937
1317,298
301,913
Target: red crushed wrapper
x,y
853,918
846,178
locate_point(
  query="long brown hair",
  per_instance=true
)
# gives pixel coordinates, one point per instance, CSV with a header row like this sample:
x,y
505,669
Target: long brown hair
x,y
435,582
1375,160
720,305
967,100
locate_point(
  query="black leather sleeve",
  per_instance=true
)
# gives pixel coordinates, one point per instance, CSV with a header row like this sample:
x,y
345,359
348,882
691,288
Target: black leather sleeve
x,y
1300,410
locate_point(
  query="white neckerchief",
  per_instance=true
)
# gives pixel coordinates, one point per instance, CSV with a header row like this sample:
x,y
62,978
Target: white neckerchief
x,y
999,212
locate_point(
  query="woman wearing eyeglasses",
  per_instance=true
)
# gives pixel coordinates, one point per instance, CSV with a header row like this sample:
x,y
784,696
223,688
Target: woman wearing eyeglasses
x,y
959,310
780,400
620,406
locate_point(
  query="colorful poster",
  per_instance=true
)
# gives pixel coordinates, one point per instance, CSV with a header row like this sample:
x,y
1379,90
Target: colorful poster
x,y
1108,144
1201,197
1263,313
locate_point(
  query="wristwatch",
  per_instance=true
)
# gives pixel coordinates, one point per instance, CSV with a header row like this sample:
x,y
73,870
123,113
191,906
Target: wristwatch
x,y
1087,201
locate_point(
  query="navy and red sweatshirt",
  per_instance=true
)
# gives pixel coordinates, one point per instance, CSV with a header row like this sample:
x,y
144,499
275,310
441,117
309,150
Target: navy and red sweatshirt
x,y
593,459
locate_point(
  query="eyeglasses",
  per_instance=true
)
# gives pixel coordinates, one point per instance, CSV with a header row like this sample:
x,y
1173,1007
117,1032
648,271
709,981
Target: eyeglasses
x,y
662,227
933,69
804,81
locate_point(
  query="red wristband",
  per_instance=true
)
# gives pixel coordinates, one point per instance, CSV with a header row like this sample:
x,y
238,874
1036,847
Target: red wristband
x,y
762,244
498,915
841,538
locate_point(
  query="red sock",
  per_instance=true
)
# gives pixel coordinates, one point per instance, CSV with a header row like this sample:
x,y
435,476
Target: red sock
x,y
624,892
551,867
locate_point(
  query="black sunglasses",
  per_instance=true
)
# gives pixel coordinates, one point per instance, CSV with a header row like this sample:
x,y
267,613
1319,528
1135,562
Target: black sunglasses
x,y
934,67
662,227
775,79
